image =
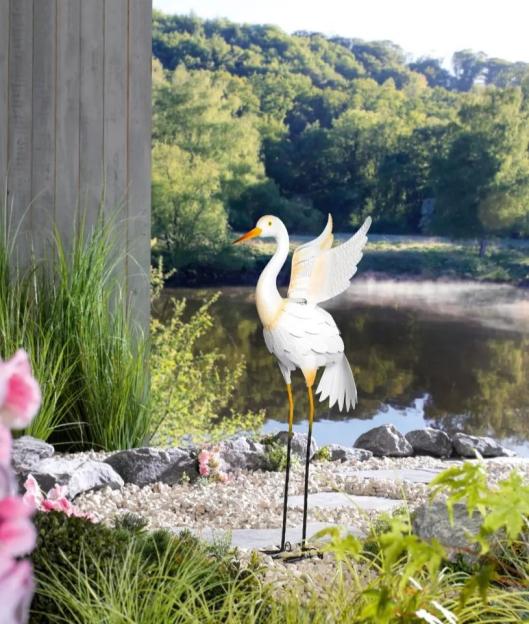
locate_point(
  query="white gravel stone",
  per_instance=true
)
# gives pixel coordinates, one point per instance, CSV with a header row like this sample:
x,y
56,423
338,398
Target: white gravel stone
x,y
254,500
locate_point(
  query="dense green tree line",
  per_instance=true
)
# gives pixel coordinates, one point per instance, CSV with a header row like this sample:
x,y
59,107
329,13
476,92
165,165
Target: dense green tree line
x,y
249,119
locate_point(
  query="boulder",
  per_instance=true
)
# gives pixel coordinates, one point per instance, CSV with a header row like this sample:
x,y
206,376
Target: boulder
x,y
465,446
346,453
79,475
299,443
27,452
430,442
431,521
385,441
143,466
243,453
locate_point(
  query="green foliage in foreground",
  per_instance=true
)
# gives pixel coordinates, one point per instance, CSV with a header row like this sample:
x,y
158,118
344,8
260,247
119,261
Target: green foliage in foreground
x,y
90,573
69,313
192,391
126,575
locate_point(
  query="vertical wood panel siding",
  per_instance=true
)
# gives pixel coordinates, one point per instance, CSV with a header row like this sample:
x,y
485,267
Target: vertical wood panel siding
x,y
75,123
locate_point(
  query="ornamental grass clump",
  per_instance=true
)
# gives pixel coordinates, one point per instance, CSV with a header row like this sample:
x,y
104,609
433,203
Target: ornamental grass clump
x,y
72,317
89,573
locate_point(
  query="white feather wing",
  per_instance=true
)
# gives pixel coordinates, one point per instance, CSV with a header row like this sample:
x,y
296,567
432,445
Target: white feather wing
x,y
320,271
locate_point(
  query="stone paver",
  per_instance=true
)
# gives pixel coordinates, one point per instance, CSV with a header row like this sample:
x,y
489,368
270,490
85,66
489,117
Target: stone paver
x,y
332,500
412,475
248,539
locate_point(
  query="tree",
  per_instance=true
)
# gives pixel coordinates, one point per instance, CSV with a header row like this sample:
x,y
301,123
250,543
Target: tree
x,y
468,68
436,75
205,157
482,183
188,216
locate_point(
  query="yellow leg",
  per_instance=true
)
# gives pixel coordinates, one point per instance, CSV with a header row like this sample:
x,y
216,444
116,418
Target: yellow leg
x,y
290,408
307,461
287,474
311,405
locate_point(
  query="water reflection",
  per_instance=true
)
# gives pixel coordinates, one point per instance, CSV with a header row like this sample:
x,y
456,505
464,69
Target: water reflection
x,y
454,356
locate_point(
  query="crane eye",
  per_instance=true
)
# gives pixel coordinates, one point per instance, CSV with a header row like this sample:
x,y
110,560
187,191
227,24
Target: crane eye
x,y
270,223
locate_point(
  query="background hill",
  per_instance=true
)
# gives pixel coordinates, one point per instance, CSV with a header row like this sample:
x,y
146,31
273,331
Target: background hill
x,y
249,120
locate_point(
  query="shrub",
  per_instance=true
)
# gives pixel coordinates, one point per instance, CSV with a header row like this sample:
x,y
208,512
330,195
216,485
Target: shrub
x,y
276,456
191,390
71,316
323,454
91,573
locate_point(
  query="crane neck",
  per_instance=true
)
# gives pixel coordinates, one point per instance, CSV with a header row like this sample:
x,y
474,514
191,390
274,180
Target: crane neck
x,y
269,301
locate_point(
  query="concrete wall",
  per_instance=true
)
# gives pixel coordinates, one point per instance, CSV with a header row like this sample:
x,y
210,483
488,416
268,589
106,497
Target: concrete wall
x,y
75,122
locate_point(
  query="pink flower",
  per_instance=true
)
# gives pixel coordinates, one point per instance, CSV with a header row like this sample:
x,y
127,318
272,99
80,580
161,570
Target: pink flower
x,y
55,500
58,492
19,392
33,496
203,470
17,533
60,504
204,456
16,590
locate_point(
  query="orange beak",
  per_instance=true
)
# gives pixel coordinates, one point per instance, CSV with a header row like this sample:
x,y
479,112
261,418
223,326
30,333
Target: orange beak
x,y
251,234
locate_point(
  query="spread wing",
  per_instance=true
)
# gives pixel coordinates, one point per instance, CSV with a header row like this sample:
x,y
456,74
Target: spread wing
x,y
320,271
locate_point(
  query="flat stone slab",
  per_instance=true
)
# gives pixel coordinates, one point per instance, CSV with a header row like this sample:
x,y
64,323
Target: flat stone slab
x,y
333,500
255,539
423,475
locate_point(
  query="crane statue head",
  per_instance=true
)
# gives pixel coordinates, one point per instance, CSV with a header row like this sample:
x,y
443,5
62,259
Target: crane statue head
x,y
267,227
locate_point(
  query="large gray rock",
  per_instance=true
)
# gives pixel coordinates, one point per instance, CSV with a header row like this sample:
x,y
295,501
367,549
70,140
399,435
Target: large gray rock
x,y
430,442
346,453
431,521
142,466
243,453
78,474
299,443
465,446
28,452
385,441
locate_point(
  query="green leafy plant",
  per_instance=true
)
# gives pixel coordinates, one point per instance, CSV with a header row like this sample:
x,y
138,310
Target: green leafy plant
x,y
323,454
276,456
192,391
504,507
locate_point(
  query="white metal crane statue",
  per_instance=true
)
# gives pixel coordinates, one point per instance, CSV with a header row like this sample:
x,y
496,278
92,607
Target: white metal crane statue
x,y
300,333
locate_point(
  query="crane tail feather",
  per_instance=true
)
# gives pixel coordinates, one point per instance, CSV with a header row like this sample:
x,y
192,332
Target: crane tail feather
x,y
338,385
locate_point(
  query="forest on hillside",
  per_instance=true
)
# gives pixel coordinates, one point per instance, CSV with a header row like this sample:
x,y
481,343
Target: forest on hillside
x,y
250,120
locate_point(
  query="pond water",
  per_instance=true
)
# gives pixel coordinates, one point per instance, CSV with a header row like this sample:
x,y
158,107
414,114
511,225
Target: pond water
x,y
451,355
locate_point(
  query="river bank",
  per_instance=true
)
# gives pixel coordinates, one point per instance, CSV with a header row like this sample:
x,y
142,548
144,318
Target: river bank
x,y
396,257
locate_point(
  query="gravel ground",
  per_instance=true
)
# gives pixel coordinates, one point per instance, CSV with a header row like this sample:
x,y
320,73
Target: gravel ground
x,y
254,499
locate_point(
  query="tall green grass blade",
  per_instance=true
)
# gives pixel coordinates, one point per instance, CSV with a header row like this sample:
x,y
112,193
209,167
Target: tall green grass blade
x,y
71,315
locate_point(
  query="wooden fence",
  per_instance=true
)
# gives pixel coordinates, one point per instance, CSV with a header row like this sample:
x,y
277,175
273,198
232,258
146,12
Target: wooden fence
x,y
75,123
